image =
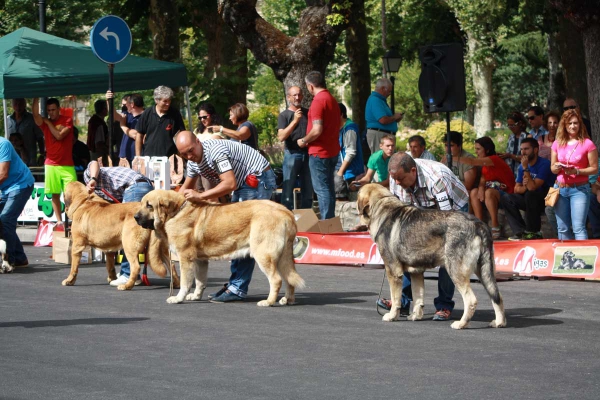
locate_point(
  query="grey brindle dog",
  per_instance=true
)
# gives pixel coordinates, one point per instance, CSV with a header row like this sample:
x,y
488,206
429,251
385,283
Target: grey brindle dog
x,y
414,240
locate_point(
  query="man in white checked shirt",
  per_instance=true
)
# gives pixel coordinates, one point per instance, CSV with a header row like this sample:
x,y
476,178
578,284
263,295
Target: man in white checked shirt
x,y
233,167
427,184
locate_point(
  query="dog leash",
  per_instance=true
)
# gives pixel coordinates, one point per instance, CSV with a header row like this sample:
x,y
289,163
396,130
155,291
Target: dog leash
x,y
379,297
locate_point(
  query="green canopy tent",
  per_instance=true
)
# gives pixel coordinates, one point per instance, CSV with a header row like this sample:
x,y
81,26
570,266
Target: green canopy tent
x,y
35,64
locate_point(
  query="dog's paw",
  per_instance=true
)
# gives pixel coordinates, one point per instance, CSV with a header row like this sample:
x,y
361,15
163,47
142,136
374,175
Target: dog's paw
x,y
495,324
458,325
124,287
285,301
192,297
174,300
68,282
264,303
388,317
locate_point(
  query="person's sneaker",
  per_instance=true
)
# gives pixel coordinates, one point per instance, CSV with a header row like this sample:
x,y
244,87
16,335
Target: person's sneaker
x,y
516,237
217,294
442,315
122,279
532,235
387,305
226,297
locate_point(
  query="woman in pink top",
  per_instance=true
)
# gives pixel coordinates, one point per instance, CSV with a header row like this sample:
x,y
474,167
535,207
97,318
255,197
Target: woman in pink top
x,y
574,158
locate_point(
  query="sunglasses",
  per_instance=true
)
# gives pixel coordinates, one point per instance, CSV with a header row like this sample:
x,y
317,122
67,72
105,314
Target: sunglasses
x,y
569,108
531,117
203,117
513,125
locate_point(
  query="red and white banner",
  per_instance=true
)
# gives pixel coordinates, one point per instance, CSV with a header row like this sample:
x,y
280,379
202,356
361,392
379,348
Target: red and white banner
x,y
540,258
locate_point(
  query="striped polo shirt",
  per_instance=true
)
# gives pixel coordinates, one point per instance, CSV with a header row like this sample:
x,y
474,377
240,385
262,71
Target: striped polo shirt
x,y
432,178
244,161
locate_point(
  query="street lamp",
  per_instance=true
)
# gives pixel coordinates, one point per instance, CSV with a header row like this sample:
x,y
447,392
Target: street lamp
x,y
391,64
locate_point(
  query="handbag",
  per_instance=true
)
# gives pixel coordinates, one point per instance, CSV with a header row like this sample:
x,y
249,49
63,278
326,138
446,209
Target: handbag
x,y
552,196
43,236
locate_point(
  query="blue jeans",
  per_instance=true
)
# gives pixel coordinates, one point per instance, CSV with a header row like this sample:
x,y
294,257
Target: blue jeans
x,y
445,291
295,164
11,206
571,212
594,216
242,268
132,194
322,171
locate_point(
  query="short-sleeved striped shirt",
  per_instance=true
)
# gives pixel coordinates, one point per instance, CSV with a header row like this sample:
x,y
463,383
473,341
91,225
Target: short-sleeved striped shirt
x,y
114,180
432,178
244,161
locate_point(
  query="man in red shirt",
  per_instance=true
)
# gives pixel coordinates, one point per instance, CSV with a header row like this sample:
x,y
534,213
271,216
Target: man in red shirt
x,y
322,140
58,167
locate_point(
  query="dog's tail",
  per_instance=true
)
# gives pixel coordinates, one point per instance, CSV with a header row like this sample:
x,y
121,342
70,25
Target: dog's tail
x,y
158,255
485,264
486,271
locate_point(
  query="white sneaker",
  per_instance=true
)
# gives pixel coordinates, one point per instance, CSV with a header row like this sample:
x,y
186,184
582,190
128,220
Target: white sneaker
x,y
122,279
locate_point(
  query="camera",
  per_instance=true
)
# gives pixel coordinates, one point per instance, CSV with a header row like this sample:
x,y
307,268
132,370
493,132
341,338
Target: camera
x,y
124,108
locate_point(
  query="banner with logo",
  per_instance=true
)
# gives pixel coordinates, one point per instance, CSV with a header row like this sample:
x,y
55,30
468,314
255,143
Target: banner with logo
x,y
549,258
39,205
539,258
336,248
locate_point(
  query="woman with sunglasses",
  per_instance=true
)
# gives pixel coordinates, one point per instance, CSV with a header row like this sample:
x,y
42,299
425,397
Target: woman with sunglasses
x,y
207,116
517,124
574,159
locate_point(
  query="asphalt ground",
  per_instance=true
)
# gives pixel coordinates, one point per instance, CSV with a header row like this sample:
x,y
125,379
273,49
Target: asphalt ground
x,y
91,341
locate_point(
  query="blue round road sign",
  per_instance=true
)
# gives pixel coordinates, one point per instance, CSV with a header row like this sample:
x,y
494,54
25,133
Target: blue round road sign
x,y
110,39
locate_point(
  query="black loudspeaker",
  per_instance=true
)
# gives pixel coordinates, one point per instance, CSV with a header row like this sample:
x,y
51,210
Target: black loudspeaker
x,y
442,80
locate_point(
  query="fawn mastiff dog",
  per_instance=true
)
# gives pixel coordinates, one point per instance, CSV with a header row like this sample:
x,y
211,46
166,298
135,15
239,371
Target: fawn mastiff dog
x,y
111,227
208,231
414,240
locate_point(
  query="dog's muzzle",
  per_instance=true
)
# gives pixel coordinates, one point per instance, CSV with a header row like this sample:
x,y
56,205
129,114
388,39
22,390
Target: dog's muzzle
x,y
144,222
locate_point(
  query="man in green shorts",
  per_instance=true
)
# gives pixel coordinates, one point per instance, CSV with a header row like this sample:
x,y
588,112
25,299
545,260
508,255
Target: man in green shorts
x,y
59,169
378,164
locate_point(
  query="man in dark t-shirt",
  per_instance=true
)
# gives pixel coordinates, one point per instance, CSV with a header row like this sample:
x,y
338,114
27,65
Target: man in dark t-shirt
x,y
157,126
291,126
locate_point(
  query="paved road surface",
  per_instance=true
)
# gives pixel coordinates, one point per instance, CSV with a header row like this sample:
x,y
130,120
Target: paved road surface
x,y
91,341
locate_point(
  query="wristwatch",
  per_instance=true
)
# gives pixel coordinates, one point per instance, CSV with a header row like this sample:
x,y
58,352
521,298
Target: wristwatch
x,y
525,170
303,141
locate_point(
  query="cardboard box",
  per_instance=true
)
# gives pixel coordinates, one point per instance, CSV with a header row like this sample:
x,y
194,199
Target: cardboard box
x,y
307,221
61,251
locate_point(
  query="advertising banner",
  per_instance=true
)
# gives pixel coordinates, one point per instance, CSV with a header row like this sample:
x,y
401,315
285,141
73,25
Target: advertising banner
x,y
537,258
39,206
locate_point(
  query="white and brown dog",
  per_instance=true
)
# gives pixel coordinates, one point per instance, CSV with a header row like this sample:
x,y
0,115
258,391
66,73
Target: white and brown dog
x,y
5,267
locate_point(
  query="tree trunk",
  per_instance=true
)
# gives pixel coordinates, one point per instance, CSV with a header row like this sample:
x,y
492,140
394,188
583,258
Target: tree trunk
x,y
572,56
164,24
357,45
290,58
227,62
556,88
592,55
481,70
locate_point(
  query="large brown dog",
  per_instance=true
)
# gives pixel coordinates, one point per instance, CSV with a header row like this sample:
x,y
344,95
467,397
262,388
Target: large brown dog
x,y
260,228
413,240
111,227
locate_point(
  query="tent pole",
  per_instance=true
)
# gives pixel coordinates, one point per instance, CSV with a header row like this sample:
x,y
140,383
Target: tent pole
x,y
189,111
5,118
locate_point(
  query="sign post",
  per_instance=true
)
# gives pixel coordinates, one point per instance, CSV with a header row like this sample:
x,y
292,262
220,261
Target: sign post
x,y
110,39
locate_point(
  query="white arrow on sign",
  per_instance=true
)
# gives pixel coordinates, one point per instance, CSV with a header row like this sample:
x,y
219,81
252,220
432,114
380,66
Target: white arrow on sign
x,y
105,34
